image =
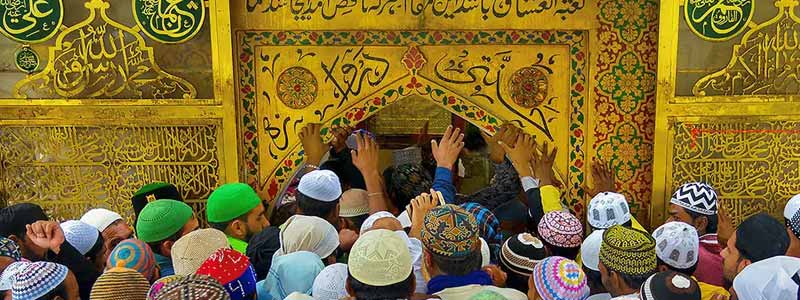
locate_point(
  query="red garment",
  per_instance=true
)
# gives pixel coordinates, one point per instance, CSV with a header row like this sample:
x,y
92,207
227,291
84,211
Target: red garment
x,y
709,261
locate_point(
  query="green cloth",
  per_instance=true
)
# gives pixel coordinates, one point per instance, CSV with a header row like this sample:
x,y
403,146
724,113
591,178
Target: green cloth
x,y
161,219
230,201
238,245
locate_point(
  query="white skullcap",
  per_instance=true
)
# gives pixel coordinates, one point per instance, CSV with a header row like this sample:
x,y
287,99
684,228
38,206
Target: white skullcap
x,y
768,279
380,258
590,250
100,218
298,296
608,209
7,277
485,254
322,185
355,202
677,244
792,206
191,250
330,283
404,219
307,233
370,221
80,235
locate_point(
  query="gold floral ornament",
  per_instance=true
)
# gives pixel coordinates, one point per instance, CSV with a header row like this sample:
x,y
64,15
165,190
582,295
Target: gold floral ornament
x,y
297,87
528,87
100,58
169,21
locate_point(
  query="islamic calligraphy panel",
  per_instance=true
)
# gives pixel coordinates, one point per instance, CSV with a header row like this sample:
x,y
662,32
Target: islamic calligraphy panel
x,y
26,59
718,20
169,21
31,21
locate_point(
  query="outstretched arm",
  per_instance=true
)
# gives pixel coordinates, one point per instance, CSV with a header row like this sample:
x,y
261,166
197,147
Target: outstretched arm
x,y
446,153
366,160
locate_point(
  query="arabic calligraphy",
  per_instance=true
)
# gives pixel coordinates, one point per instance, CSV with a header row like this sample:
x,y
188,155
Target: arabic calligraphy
x,y
349,71
718,20
31,21
764,63
26,59
304,10
99,58
169,21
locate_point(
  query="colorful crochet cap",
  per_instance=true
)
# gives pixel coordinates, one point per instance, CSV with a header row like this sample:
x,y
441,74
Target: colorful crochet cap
x,y
160,283
233,270
608,209
488,226
120,284
136,255
521,253
380,258
451,231
677,244
80,235
698,197
230,201
194,248
9,248
37,279
558,278
193,287
561,229
161,219
7,276
670,285
628,251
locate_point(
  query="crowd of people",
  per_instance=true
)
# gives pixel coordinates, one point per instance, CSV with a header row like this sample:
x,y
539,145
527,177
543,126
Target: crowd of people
x,y
344,229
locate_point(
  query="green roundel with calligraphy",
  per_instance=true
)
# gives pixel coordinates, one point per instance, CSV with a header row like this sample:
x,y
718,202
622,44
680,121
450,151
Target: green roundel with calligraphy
x,y
26,59
169,21
718,20
31,21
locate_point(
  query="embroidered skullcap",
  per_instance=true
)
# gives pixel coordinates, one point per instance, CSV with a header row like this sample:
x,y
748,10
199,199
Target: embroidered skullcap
x,y
370,221
322,185
330,283
487,295
608,209
355,202
407,181
520,253
37,279
772,278
192,249
590,250
792,206
7,277
760,237
233,270
14,218
451,231
9,248
307,233
80,235
100,218
561,229
669,285
488,226
120,284
677,244
299,296
293,272
628,251
698,197
134,254
193,287
261,248
151,192
161,219
230,201
380,258
559,278
159,284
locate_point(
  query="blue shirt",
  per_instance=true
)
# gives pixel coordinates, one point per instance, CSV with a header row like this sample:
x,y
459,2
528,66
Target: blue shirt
x,y
165,265
443,182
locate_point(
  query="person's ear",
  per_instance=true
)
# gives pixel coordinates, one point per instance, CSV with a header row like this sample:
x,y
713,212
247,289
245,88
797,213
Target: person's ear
x,y
236,228
663,268
166,248
701,223
616,280
743,263
349,289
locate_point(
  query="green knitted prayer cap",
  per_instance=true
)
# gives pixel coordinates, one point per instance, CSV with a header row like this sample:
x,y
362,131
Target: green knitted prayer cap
x,y
230,201
161,219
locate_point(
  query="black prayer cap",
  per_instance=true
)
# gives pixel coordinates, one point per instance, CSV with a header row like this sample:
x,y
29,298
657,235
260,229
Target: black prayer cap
x,y
261,248
151,192
760,237
14,218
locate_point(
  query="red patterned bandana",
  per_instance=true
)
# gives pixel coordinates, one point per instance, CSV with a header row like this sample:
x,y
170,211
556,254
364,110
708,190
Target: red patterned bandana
x,y
233,270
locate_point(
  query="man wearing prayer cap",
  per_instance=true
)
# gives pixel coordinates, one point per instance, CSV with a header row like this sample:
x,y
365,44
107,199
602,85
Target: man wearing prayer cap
x,y
791,215
161,223
518,256
110,224
191,250
627,259
87,240
669,285
695,203
236,210
45,280
151,192
380,266
318,195
769,279
590,261
120,284
331,283
354,208
757,238
193,287
233,270
261,249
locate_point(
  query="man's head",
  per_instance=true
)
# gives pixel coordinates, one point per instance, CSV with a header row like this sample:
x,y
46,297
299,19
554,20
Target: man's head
x,y
518,256
771,278
110,224
261,249
791,215
607,209
191,250
185,287
87,240
695,203
562,233
162,222
233,270
627,258
406,181
557,277
152,192
13,221
669,285
450,238
318,195
45,280
380,267
120,283
312,234
757,238
236,210
136,255
677,247
9,253
354,208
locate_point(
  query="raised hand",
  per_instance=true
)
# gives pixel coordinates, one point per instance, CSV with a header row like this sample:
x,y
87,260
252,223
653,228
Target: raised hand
x,y
506,134
520,153
366,157
46,234
602,177
498,276
542,165
446,151
420,206
313,147
340,134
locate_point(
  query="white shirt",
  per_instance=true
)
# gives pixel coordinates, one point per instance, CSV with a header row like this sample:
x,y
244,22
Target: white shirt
x,y
603,296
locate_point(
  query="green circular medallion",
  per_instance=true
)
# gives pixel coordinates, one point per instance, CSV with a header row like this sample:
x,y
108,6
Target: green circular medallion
x,y
169,21
31,21
26,59
718,20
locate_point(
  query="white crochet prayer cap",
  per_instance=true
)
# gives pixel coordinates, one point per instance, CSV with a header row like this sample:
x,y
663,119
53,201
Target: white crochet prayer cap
x,y
698,197
485,254
607,209
322,185
355,202
380,258
298,296
677,244
330,283
590,250
191,250
7,277
768,279
100,218
370,221
308,233
80,235
792,206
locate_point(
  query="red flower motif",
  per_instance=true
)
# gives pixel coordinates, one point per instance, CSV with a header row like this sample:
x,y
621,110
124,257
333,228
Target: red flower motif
x,y
451,100
578,133
514,36
579,56
349,115
360,36
579,163
359,114
390,36
376,101
273,188
249,135
578,208
546,35
579,87
414,84
490,128
244,57
413,58
246,89
288,162
469,36
313,36
251,165
281,36
437,36
480,114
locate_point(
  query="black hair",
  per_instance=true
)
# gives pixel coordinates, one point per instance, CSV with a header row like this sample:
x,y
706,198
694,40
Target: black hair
x,y
94,251
457,266
59,291
401,290
760,237
634,281
282,213
13,219
222,226
473,141
349,175
313,207
712,220
156,246
688,271
594,279
628,224
358,220
570,253
516,281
